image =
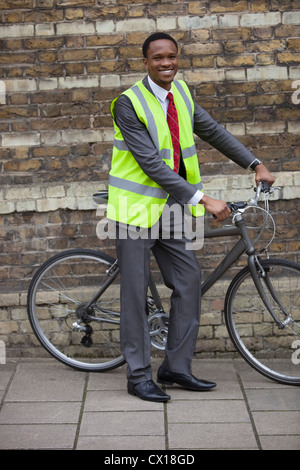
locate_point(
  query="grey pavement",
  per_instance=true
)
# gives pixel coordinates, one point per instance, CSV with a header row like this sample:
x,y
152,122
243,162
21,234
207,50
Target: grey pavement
x,y
46,405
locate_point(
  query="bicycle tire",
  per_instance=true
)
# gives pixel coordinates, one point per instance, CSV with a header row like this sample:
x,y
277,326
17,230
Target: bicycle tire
x,y
272,351
57,295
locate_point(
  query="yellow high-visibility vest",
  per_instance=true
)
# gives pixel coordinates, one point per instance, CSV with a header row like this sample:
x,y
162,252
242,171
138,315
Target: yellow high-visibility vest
x,y
134,198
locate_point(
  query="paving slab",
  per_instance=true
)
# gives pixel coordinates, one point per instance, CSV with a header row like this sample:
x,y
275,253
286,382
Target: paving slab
x,y
47,381
6,373
280,442
135,423
37,437
127,443
217,436
280,423
207,411
38,412
274,399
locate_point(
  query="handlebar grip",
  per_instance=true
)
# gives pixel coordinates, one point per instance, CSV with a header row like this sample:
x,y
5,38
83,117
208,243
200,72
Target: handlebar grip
x,y
265,187
100,197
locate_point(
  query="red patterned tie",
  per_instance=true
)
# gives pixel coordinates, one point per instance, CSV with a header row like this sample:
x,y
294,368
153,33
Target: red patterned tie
x,y
172,120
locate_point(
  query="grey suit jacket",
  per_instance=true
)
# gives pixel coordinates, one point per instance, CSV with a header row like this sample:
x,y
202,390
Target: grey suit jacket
x,y
141,146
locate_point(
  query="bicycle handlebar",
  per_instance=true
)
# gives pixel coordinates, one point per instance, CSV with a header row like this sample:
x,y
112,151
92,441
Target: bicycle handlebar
x,y
263,187
101,197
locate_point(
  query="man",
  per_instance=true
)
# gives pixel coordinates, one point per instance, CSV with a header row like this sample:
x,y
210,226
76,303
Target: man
x,y
154,167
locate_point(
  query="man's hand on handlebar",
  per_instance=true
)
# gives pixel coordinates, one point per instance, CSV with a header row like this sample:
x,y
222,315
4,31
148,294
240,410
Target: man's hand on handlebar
x,y
262,174
219,209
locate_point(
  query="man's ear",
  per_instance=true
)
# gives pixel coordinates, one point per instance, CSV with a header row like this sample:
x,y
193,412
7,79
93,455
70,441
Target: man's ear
x,y
145,61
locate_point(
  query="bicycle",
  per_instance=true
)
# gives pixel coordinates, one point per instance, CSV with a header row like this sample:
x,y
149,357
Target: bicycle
x,y
74,309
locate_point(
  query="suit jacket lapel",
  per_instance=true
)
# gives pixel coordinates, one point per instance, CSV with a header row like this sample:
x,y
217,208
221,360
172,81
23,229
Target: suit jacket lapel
x,y
146,84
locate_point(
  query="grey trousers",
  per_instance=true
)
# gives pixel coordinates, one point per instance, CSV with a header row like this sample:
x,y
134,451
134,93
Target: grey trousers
x,y
181,273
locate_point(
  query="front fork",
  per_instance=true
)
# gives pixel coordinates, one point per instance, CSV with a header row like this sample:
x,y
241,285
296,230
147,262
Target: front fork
x,y
258,272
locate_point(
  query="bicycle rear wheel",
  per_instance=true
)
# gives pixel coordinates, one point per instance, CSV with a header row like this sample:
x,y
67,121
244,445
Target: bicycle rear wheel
x,y
84,338
272,350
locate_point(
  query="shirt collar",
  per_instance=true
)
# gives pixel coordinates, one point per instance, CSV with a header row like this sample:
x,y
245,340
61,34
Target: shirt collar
x,y
160,93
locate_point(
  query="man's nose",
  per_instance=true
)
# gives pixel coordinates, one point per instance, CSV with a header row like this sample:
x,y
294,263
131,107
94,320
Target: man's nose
x,y
166,61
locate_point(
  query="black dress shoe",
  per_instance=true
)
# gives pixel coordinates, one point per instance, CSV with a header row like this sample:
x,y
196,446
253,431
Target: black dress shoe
x,y
147,390
185,380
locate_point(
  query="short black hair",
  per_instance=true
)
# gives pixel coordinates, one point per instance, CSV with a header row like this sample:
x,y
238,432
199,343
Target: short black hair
x,y
155,37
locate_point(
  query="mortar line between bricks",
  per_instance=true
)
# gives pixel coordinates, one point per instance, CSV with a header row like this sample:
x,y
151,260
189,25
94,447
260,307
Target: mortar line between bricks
x,y
87,375
249,411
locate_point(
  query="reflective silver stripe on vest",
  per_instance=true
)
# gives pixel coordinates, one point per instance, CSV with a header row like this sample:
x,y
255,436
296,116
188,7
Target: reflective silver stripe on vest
x,y
186,100
164,153
152,127
138,188
189,152
120,145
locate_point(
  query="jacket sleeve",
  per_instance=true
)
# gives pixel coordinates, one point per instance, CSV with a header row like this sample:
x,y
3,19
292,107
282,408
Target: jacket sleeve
x,y
212,132
141,146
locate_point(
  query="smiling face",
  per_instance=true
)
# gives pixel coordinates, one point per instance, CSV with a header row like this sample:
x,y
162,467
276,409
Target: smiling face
x,y
161,62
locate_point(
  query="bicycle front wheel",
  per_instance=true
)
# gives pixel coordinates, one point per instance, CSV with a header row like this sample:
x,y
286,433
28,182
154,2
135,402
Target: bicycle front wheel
x,y
71,321
270,347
